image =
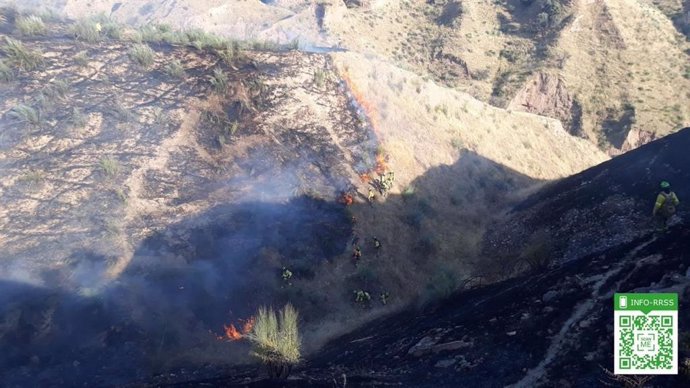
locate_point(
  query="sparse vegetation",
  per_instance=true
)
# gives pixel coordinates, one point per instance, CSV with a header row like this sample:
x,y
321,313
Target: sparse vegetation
x,y
275,340
30,25
538,252
20,56
26,114
219,81
81,58
142,55
6,73
77,118
175,69
110,166
87,30
320,78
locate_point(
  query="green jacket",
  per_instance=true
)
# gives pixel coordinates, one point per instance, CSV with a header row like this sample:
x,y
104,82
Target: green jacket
x,y
661,201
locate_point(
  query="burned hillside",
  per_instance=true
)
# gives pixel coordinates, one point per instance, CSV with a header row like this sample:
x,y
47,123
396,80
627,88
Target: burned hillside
x,y
548,327
158,186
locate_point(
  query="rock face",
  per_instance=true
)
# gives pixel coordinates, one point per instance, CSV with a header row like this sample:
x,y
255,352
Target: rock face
x,y
547,95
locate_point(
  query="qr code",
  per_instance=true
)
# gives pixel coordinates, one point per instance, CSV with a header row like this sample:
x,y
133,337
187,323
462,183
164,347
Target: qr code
x,y
645,333
646,342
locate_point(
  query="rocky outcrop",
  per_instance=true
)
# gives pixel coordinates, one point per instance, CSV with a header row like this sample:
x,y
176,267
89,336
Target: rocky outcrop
x,y
547,94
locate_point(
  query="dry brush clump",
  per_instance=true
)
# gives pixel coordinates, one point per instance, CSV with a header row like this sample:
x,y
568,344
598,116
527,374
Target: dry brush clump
x,y
142,55
20,56
276,341
26,114
31,25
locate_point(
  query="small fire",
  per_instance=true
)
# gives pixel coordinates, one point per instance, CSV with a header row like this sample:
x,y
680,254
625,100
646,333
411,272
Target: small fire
x,y
232,334
365,177
360,102
346,199
381,165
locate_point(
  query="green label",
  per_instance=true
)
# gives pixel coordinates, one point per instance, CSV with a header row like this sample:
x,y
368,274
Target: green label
x,y
645,302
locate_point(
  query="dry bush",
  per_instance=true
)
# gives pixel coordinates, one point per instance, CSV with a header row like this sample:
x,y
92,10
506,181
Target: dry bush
x,y
538,252
30,25
219,81
276,341
142,55
20,56
175,69
6,73
87,30
109,166
26,114
625,381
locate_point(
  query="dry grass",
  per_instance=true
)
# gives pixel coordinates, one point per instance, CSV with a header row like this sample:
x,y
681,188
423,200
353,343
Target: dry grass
x,y
175,69
86,30
30,25
20,56
26,114
110,166
142,55
276,340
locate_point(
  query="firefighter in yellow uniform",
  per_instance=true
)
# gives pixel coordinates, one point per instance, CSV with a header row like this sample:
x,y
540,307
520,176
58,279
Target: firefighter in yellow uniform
x,y
665,206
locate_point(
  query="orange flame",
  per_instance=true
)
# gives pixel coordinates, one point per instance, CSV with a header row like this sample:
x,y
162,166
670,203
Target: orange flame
x,y
358,96
381,165
232,334
346,199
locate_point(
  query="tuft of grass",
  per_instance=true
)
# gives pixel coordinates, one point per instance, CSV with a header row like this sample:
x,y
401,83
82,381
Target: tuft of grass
x,y
87,30
77,118
275,340
6,73
20,56
81,58
175,69
219,81
111,29
33,177
30,25
110,166
142,55
121,112
26,114
320,78
57,89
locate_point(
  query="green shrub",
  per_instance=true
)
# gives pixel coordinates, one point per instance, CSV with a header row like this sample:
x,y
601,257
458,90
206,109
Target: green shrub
x,y
87,30
142,55
31,25
219,81
175,69
275,340
109,166
20,56
26,114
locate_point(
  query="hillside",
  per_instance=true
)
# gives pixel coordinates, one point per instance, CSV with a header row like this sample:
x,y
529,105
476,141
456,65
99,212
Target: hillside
x,y
614,72
546,328
155,182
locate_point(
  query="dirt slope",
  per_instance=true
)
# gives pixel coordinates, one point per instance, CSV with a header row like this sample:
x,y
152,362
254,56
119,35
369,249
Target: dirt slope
x,y
615,72
552,328
161,188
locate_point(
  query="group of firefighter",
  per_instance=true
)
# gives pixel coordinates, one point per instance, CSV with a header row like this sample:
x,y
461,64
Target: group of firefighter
x,y
663,211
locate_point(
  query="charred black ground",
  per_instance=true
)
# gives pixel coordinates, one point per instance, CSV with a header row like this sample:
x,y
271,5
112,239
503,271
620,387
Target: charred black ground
x,y
552,328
